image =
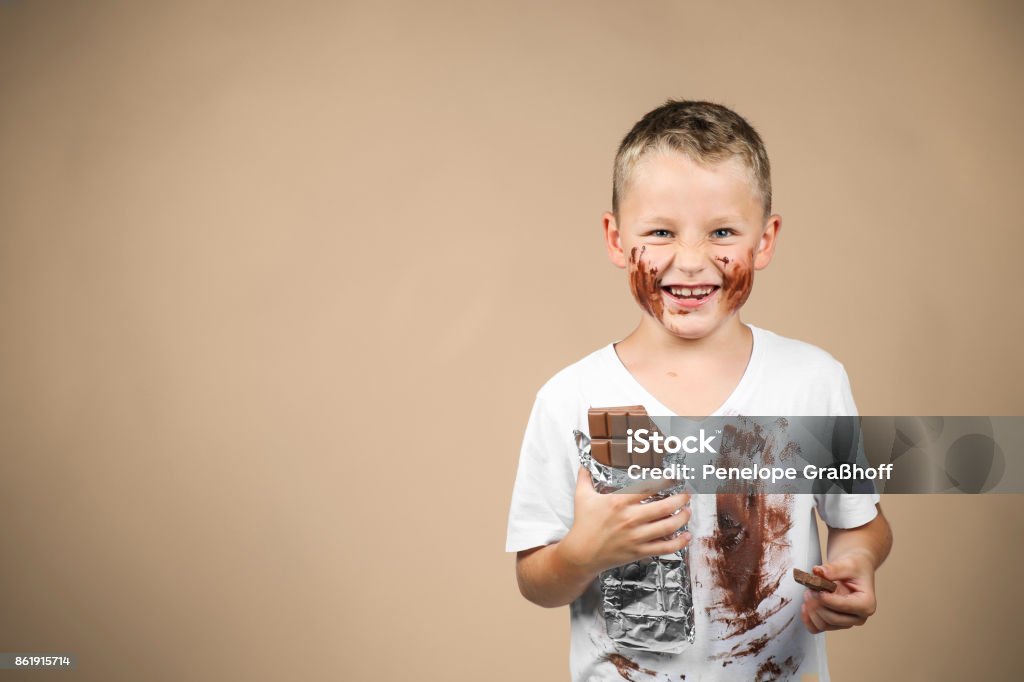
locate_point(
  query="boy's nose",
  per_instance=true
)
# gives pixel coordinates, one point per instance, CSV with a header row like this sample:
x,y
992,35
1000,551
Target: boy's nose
x,y
690,259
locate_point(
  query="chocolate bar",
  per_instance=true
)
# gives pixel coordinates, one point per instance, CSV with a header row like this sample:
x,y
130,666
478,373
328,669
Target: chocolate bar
x,y
608,437
812,581
647,604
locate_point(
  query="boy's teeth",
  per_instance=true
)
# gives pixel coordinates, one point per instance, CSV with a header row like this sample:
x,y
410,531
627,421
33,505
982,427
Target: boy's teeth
x,y
685,291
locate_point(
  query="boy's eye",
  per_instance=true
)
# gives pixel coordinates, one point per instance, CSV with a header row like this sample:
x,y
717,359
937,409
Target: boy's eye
x,y
723,232
661,233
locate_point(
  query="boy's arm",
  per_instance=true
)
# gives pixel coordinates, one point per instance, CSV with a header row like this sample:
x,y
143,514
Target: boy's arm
x,y
548,579
854,554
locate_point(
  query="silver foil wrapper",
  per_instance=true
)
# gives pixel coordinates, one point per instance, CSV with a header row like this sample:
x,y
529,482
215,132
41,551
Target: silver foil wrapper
x,y
647,604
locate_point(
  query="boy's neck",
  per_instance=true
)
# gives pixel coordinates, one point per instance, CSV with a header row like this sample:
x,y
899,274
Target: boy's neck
x,y
654,341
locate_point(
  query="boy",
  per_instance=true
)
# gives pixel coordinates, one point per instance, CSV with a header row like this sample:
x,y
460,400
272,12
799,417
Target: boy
x,y
690,223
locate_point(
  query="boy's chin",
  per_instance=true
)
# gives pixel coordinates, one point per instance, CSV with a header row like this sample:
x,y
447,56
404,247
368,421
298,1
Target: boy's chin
x,y
691,329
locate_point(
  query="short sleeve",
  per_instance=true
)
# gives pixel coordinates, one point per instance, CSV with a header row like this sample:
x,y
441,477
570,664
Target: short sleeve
x,y
839,510
542,498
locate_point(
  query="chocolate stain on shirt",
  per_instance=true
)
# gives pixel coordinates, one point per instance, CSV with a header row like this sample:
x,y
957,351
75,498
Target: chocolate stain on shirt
x,y
748,549
771,670
753,647
626,666
757,645
643,282
742,447
746,546
739,444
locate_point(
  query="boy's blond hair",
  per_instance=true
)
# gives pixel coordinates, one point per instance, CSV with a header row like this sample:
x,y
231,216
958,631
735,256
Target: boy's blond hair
x,y
704,131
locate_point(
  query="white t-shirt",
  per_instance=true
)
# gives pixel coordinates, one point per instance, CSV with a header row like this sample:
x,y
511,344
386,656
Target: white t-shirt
x,y
784,377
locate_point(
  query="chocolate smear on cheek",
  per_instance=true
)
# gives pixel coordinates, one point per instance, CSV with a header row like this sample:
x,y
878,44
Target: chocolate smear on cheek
x,y
626,666
737,281
643,282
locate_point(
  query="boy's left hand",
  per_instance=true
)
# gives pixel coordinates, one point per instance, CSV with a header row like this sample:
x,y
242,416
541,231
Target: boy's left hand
x,y
851,604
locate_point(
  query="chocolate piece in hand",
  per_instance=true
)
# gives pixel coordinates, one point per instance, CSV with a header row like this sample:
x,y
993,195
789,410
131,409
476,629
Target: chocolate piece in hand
x,y
816,583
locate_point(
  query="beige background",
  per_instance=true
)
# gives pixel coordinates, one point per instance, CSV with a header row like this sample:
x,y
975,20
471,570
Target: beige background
x,y
278,282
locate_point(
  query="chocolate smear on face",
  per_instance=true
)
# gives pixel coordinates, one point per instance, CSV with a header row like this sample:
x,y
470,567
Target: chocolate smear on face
x,y
748,546
643,282
626,666
737,281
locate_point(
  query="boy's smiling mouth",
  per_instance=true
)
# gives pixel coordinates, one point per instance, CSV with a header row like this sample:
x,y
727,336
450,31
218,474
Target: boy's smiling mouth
x,y
690,296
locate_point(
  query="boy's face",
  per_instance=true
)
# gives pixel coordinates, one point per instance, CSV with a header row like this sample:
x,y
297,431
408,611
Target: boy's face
x,y
690,237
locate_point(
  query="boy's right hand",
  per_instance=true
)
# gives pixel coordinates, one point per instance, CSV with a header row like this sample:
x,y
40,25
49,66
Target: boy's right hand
x,y
614,529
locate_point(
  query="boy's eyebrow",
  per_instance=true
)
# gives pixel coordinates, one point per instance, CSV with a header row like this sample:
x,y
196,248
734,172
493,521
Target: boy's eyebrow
x,y
662,220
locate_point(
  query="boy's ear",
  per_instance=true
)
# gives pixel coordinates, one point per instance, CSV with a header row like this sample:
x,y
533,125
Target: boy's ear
x,y
766,246
613,240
